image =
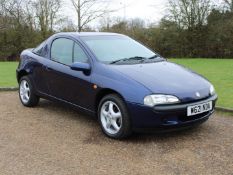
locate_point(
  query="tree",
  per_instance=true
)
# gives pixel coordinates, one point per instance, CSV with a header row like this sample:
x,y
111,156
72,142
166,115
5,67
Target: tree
x,y
229,4
66,25
89,10
190,13
46,12
220,34
191,18
12,27
19,25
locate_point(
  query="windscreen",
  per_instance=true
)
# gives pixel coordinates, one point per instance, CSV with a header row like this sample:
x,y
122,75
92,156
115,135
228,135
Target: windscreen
x,y
110,48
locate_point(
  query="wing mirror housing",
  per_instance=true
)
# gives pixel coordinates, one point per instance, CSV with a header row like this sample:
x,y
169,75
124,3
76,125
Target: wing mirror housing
x,y
83,67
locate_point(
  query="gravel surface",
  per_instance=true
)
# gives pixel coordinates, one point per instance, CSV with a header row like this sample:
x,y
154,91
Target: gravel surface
x,y
53,139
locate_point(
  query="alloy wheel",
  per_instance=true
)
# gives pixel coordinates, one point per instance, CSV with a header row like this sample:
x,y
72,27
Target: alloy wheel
x,y
111,117
24,91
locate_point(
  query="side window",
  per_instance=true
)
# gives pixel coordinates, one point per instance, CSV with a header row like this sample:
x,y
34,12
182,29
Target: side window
x,y
41,50
62,51
45,51
79,55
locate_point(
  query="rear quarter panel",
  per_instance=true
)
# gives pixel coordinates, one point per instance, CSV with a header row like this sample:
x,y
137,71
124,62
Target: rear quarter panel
x,y
32,65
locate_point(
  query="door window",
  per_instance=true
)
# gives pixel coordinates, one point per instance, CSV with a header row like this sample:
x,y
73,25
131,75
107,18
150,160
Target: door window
x,y
62,51
79,55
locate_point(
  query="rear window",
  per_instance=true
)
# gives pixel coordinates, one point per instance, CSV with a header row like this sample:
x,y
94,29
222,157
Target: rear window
x,y
41,50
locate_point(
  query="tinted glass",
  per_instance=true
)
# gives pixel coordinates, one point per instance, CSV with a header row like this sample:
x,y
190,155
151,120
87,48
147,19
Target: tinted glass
x,y
41,50
111,48
79,55
62,51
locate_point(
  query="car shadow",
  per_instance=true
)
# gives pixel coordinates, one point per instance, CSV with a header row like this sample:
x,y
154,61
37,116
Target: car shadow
x,y
97,137
69,111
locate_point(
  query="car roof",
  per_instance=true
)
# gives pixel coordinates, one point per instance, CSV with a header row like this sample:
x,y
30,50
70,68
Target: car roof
x,y
79,34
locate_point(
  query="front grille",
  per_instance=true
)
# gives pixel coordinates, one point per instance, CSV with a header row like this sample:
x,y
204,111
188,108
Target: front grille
x,y
185,118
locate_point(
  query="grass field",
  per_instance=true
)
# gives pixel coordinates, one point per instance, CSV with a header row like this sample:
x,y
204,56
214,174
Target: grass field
x,y
8,74
218,71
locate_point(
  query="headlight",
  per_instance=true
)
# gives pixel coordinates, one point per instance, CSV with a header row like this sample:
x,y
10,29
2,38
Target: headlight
x,y
152,100
212,90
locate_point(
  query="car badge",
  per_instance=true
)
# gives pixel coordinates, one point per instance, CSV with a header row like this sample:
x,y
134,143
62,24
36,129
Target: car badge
x,y
198,94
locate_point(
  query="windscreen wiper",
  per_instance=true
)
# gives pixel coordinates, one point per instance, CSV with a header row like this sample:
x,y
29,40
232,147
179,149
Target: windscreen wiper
x,y
128,59
154,56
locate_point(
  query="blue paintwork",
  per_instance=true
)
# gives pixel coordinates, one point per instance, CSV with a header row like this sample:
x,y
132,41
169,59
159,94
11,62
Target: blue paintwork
x,y
167,78
56,81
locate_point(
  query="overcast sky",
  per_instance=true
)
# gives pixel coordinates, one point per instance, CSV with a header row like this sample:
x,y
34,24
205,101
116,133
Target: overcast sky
x,y
146,9
149,10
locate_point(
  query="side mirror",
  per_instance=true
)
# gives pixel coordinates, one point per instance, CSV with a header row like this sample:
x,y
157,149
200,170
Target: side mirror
x,y
78,66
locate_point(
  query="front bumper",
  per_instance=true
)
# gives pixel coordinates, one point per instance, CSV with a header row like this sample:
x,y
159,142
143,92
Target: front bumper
x,y
167,117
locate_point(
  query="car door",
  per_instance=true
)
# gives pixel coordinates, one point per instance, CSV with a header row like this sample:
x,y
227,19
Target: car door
x,y
66,84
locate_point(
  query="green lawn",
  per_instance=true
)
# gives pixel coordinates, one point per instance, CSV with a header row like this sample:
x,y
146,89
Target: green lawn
x,y
218,71
8,74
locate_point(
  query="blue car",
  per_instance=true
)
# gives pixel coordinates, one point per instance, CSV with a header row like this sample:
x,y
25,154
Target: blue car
x,y
129,87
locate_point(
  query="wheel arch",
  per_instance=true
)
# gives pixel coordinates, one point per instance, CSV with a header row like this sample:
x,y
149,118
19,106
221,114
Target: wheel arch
x,y
102,93
21,74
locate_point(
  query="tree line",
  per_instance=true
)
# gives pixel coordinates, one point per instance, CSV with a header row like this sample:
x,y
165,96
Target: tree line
x,y
191,28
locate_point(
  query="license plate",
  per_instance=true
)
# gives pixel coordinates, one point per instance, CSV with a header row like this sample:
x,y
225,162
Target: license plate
x,y
199,108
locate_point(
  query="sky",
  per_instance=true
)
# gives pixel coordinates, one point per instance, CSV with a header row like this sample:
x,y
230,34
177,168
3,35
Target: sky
x,y
151,11
148,10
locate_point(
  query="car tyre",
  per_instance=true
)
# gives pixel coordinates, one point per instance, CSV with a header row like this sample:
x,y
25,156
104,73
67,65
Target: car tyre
x,y
113,117
27,94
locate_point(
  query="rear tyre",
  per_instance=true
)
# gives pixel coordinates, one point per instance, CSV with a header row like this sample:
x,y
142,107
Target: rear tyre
x,y
113,117
27,93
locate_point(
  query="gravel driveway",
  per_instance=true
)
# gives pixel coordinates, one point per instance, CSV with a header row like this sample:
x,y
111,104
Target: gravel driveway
x,y
53,139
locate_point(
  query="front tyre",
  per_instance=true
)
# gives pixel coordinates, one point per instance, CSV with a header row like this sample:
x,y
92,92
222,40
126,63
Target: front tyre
x,y
113,117
27,93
